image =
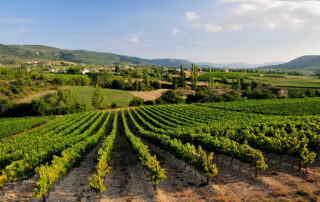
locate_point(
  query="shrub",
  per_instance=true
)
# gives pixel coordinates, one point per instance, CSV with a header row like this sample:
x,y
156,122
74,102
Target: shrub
x,y
136,101
5,105
118,84
172,97
114,105
99,99
160,101
149,102
303,192
231,96
39,108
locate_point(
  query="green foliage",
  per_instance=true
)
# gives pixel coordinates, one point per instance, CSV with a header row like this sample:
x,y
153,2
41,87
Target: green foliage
x,y
39,108
105,154
171,97
150,162
194,76
12,125
63,102
303,192
302,106
183,80
99,99
39,145
187,152
136,101
84,96
47,174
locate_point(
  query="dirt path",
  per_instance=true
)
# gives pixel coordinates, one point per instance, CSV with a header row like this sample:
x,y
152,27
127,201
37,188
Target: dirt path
x,y
33,96
127,179
75,185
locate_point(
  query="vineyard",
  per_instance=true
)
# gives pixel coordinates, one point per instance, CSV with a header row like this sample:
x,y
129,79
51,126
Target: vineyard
x,y
266,150
9,126
298,107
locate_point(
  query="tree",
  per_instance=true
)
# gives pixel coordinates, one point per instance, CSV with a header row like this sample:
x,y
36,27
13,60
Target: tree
x,y
194,76
183,81
99,99
171,96
211,80
39,108
5,105
136,85
146,78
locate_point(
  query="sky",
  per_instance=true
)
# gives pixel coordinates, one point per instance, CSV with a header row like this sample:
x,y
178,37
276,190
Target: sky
x,y
217,31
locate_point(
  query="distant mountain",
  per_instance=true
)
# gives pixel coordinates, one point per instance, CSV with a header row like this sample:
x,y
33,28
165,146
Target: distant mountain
x,y
170,62
16,54
235,65
304,63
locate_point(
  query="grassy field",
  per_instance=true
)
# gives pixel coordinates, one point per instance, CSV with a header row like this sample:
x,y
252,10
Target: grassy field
x,y
84,95
291,81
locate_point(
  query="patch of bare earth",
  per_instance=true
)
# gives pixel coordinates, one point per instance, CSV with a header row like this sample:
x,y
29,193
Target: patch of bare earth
x,y
127,179
20,190
148,95
285,180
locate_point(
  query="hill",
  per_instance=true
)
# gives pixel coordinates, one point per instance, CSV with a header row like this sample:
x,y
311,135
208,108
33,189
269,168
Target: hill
x,y
235,65
304,63
17,54
170,62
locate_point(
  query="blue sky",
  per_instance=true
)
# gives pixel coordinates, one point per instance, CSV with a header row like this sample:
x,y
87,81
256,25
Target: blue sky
x,y
251,31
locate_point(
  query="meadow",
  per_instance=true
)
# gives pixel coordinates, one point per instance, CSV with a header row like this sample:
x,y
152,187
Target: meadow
x,y
84,95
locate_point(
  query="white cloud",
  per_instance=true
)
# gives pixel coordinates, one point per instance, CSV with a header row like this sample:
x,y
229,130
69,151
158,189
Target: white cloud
x,y
175,31
134,38
211,27
192,16
274,14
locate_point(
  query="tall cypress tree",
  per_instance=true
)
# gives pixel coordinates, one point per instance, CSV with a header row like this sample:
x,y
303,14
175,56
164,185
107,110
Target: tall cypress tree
x,y
183,81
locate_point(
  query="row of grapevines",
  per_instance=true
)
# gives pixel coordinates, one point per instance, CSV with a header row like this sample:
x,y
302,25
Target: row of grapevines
x,y
280,142
105,154
10,144
187,152
27,145
304,106
218,144
10,126
45,150
48,174
150,162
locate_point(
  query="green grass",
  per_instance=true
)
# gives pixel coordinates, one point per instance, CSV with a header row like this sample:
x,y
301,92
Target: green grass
x,y
84,95
291,81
